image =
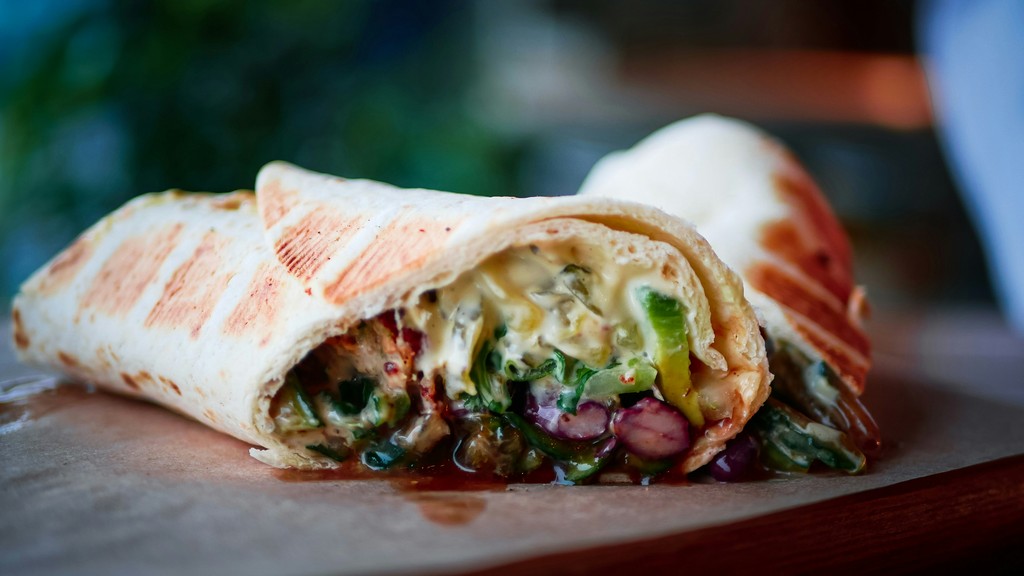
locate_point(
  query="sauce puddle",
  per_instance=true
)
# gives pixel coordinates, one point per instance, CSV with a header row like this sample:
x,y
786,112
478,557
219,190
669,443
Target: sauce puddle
x,y
32,397
443,495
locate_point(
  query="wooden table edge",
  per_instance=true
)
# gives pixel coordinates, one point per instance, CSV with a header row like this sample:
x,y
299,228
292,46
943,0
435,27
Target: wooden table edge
x,y
969,518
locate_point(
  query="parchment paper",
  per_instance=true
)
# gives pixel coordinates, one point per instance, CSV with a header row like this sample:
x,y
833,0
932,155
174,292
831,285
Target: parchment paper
x,y
91,483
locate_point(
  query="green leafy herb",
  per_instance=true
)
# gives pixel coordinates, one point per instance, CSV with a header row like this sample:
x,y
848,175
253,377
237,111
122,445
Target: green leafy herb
x,y
558,366
489,379
569,399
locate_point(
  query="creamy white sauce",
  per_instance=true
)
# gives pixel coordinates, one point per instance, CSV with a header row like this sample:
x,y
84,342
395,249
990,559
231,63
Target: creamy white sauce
x,y
580,299
531,292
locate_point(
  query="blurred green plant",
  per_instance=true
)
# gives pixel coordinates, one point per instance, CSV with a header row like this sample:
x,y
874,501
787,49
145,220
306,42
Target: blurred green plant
x,y
125,97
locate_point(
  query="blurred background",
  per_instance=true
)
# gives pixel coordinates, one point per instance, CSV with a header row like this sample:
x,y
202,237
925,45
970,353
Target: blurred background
x,y
101,100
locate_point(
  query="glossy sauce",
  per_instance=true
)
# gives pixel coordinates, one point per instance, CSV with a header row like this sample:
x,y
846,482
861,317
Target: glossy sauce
x,y
25,399
438,473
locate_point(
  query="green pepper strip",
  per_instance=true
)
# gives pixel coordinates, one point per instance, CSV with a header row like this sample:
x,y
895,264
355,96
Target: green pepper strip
x,y
672,357
610,381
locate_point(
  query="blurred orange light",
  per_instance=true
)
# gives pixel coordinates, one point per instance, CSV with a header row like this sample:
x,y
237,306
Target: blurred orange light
x,y
882,89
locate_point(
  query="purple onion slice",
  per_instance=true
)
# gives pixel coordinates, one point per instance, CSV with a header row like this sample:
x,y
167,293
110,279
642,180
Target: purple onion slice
x,y
589,422
652,429
736,462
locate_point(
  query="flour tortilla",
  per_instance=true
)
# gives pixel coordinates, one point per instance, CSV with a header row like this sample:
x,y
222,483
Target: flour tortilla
x,y
202,303
765,217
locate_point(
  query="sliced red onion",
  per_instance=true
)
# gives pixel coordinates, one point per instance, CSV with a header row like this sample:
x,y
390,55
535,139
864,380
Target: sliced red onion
x,y
736,462
652,429
589,422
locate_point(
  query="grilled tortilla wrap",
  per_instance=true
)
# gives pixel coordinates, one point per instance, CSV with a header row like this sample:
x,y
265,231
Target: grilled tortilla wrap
x,y
325,319
766,218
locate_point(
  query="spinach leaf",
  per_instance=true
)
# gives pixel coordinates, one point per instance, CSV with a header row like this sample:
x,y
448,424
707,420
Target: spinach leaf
x,y
569,399
489,379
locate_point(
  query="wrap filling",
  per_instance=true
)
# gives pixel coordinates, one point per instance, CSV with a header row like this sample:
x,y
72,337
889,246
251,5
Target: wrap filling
x,y
544,354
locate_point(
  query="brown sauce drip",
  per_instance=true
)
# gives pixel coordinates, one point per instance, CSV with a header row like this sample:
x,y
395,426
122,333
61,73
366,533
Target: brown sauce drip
x,y
449,509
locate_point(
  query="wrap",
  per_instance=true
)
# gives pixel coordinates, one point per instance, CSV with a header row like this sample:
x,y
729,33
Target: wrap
x,y
767,219
325,320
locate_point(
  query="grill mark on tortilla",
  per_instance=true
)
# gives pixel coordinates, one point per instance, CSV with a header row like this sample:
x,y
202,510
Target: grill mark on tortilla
x,y
130,382
210,415
20,337
68,360
193,291
402,244
256,312
853,372
275,202
129,270
307,246
801,193
171,384
138,380
65,267
784,240
784,289
103,360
